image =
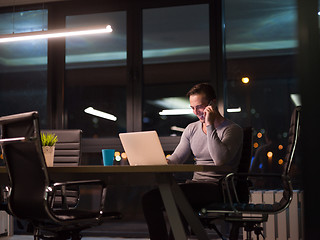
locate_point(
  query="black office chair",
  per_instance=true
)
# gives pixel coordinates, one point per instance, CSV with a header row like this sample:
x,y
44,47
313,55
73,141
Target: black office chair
x,y
237,212
67,153
242,186
68,147
32,193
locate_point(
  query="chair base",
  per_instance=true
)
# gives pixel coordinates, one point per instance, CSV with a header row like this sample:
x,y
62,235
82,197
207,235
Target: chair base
x,y
249,223
73,235
249,227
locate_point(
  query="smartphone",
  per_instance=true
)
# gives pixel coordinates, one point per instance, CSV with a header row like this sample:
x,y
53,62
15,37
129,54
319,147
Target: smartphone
x,y
213,104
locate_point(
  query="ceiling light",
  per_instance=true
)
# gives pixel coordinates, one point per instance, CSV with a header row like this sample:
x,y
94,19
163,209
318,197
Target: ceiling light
x,y
97,113
68,32
176,112
178,129
233,110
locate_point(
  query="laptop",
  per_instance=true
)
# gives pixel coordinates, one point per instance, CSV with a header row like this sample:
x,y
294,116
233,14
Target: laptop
x,y
143,148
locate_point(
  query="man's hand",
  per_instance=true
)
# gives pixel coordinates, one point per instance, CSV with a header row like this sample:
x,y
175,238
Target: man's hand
x,y
210,113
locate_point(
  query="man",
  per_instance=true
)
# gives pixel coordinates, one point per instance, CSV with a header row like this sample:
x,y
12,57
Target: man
x,y
213,140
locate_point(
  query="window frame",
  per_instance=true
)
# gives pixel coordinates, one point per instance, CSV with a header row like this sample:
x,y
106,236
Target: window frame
x,y
57,13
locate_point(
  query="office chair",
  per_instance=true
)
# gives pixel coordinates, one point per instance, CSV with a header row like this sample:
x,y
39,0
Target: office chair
x,y
32,192
238,212
242,186
68,147
67,153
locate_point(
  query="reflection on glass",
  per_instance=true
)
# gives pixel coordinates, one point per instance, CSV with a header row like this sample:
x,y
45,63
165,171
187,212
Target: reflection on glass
x,y
98,50
23,65
175,56
264,28
96,76
261,41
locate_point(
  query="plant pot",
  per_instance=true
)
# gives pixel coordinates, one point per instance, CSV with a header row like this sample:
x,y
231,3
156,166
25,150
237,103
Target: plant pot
x,y
48,152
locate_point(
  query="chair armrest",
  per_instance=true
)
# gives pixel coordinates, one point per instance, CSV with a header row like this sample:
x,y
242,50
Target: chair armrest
x,y
62,188
80,182
229,186
4,141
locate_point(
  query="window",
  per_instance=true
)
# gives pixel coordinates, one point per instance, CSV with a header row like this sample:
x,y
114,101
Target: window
x,y
23,65
261,42
96,76
176,55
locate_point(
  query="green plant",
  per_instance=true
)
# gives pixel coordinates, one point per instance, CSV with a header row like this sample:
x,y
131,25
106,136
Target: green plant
x,y
48,139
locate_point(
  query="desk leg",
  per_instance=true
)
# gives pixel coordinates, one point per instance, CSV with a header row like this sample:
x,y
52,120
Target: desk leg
x,y
172,211
188,212
172,197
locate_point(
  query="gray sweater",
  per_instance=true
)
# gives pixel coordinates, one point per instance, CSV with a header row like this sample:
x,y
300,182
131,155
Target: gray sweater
x,y
220,147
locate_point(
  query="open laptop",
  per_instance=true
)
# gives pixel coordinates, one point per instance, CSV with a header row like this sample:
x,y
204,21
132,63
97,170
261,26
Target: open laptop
x,y
143,148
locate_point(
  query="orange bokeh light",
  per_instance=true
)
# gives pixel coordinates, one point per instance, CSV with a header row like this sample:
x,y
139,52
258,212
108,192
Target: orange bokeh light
x,y
255,145
259,135
269,154
280,161
280,147
245,80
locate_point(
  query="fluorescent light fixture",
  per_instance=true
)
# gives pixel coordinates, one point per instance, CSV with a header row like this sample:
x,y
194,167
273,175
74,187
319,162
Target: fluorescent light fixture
x,y
178,129
233,110
16,37
175,112
97,113
296,99
171,103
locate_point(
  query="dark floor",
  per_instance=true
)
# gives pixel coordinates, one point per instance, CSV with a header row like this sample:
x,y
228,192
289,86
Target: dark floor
x,y
112,231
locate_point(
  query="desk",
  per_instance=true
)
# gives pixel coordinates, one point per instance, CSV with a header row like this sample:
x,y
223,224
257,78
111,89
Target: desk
x,y
161,176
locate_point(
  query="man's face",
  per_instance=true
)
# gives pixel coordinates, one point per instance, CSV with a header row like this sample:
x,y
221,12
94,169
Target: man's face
x,y
198,103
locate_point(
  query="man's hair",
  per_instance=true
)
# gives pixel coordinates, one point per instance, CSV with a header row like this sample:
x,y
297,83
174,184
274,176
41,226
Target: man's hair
x,y
205,88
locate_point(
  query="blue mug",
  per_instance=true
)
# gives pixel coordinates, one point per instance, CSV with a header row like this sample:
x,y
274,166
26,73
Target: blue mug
x,y
107,157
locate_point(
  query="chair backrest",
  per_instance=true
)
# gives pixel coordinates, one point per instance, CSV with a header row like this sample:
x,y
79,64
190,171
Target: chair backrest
x,y
25,165
244,165
294,132
293,135
246,154
68,147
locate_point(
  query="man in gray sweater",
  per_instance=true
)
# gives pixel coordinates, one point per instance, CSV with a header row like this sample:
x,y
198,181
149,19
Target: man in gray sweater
x,y
213,140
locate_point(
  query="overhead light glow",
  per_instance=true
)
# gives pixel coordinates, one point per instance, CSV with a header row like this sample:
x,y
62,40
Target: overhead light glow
x,y
178,129
233,110
97,113
296,99
15,37
176,112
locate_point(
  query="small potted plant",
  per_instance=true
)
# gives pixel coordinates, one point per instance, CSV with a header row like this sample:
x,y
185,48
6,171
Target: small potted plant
x,y
48,141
